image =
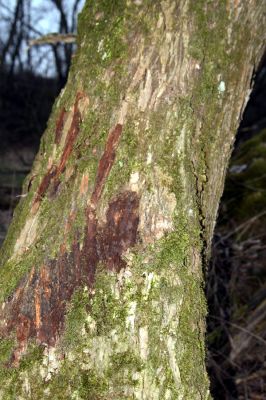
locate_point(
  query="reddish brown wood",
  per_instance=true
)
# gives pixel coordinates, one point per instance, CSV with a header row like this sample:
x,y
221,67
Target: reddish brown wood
x,y
106,162
37,307
60,125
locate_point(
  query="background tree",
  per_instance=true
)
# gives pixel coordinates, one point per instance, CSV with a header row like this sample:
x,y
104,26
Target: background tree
x,y
102,267
31,77
23,22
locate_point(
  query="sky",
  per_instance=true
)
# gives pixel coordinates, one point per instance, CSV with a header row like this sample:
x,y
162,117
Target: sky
x,y
43,18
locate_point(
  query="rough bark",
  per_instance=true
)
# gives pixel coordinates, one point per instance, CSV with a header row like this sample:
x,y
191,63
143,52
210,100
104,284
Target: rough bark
x,y
101,277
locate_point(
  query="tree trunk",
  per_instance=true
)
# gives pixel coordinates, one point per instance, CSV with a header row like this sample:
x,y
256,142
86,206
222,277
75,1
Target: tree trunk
x,y
102,269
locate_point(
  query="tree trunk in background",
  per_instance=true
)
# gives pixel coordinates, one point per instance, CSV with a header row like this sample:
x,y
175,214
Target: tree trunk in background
x,y
102,268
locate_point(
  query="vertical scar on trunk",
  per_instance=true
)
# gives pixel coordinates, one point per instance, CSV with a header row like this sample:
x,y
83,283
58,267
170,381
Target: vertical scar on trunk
x,y
53,174
59,126
120,231
71,136
38,306
106,162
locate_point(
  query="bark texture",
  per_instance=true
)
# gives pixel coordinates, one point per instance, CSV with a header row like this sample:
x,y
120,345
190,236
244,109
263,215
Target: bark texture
x,y
101,282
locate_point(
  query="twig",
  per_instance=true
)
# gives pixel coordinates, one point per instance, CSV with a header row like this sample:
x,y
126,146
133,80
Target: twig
x,y
53,38
260,339
241,226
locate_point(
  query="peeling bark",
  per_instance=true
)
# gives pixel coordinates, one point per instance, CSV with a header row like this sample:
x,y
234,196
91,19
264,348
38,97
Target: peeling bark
x,y
101,282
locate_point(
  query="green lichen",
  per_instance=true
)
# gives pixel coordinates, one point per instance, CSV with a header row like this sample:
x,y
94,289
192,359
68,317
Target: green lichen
x,y
101,317
104,314
107,22
18,221
15,269
107,312
12,378
6,347
210,48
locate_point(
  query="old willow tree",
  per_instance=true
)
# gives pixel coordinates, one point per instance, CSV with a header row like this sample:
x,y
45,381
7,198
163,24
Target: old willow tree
x,y
102,270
